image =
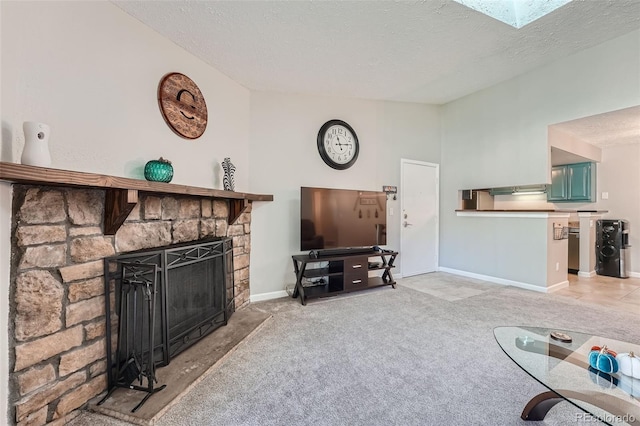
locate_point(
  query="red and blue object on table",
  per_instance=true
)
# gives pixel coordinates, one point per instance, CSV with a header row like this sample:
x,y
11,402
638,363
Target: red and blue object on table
x,y
603,359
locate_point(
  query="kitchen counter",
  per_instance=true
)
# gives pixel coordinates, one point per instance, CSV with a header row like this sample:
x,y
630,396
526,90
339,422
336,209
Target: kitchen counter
x,y
536,211
585,211
515,247
509,210
526,228
514,213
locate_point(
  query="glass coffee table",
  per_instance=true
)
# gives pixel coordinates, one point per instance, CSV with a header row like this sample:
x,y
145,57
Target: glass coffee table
x,y
563,368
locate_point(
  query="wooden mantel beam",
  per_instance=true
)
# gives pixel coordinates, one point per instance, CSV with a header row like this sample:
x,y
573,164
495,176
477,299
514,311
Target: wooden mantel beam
x,y
122,193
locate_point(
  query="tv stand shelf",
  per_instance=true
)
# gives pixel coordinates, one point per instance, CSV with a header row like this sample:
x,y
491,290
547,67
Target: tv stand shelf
x,y
342,273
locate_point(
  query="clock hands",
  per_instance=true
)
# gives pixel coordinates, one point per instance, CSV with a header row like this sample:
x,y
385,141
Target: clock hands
x,y
340,144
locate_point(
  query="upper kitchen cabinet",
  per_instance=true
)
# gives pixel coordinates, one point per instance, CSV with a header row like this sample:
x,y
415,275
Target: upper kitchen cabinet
x,y
573,182
559,185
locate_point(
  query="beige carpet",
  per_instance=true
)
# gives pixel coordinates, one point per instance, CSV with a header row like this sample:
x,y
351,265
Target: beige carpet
x,y
389,357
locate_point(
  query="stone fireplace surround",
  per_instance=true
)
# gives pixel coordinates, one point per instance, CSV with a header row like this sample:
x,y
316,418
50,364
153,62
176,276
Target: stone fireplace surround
x,y
57,306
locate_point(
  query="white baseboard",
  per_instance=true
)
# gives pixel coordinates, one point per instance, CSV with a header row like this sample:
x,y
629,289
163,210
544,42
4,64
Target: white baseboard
x,y
634,274
268,296
556,287
503,281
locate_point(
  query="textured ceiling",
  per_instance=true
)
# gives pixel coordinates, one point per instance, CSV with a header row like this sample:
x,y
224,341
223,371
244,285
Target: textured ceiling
x,y
417,51
611,128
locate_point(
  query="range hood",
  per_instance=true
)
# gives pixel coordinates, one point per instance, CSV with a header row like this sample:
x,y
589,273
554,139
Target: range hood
x,y
520,190
529,189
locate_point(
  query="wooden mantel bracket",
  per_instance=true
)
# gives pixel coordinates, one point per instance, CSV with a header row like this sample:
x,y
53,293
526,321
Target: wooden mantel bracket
x,y
118,204
236,208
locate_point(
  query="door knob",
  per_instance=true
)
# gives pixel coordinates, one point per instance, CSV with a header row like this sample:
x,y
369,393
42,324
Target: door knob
x,y
405,224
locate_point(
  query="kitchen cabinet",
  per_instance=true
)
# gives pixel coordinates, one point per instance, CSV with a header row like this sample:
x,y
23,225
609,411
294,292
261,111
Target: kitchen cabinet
x,y
581,182
558,189
573,182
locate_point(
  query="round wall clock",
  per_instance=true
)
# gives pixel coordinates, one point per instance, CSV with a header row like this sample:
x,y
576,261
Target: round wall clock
x,y
338,144
182,105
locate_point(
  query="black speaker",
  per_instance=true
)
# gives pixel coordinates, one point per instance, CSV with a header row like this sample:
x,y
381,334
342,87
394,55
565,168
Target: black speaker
x,y
611,243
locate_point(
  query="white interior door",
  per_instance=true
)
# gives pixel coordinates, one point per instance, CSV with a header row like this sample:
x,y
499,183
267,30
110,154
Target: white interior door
x,y
419,217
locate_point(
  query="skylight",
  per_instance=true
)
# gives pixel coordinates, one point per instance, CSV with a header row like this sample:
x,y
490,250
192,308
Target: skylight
x,y
516,13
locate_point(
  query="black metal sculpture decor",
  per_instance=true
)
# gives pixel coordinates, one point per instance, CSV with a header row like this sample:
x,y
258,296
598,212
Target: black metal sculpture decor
x,y
229,169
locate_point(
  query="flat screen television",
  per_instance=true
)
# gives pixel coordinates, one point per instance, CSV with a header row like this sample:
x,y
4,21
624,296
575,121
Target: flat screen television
x,y
342,218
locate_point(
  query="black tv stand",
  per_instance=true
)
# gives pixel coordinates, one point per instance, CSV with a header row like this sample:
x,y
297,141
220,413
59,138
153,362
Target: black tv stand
x,y
348,271
314,254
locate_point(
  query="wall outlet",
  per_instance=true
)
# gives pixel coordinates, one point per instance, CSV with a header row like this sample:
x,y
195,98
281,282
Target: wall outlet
x,y
605,196
557,266
390,211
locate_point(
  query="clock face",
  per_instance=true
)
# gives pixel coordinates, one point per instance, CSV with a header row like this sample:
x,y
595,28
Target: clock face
x,y
182,105
338,144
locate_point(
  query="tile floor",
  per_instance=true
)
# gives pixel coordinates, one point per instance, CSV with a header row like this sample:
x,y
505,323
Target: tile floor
x,y
619,293
616,293
447,286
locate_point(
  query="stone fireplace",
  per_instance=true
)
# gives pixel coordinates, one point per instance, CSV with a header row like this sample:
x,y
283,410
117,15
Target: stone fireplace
x,y
57,297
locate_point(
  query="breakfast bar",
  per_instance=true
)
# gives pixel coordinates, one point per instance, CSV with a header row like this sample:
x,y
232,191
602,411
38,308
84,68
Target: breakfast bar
x,y
516,247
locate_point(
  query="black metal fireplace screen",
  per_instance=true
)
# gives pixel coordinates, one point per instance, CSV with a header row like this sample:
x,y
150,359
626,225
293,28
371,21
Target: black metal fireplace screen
x,y
166,299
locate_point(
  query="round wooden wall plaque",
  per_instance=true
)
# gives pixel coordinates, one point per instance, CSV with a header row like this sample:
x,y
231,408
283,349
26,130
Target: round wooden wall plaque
x,y
182,105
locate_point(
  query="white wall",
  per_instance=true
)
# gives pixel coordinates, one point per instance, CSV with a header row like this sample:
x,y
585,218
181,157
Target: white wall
x,y
498,136
91,72
284,157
